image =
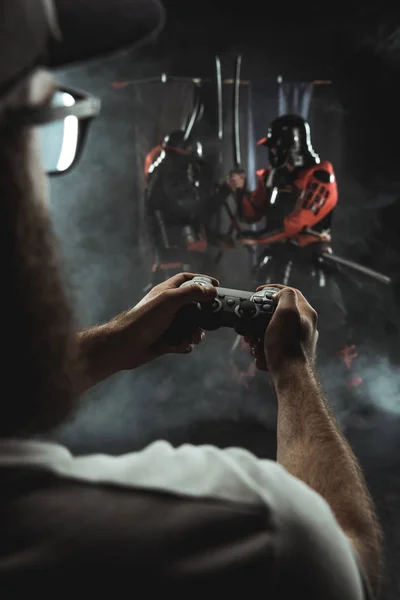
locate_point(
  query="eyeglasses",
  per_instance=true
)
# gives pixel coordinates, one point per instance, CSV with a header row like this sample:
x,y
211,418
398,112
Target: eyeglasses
x,y
63,126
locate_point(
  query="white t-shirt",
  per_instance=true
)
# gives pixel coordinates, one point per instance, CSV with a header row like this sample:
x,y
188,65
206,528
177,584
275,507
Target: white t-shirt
x,y
305,529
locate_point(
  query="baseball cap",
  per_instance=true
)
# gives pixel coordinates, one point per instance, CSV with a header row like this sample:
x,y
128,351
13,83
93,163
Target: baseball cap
x,y
61,32
55,33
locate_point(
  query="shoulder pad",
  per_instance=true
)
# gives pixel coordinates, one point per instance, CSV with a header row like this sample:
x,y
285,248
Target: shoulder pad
x,y
323,176
325,165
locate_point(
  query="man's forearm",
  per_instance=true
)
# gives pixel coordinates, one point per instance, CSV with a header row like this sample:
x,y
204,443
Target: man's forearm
x,y
312,448
96,355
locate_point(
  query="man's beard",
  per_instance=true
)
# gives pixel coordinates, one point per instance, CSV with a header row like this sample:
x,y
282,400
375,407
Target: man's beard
x,y
37,334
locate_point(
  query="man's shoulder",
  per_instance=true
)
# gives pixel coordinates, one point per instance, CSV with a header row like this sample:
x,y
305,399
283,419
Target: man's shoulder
x,y
152,536
146,511
188,514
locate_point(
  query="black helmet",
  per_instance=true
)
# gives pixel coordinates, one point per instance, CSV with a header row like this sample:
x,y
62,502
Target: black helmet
x,y
289,140
176,142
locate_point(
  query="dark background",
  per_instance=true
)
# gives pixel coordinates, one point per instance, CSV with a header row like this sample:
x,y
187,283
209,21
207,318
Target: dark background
x,y
97,212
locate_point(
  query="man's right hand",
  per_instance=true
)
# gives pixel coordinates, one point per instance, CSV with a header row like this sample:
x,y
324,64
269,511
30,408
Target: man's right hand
x,y
291,337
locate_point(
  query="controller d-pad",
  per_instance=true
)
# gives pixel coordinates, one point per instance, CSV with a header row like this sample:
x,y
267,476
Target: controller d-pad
x,y
216,305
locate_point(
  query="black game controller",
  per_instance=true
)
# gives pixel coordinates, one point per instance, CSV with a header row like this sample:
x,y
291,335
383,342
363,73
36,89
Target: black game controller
x,y
248,313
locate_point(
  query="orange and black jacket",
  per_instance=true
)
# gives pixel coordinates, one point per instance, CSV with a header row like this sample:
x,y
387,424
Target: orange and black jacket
x,y
301,202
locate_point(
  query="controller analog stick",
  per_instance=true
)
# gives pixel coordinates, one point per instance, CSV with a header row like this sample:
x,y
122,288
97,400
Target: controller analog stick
x,y
247,308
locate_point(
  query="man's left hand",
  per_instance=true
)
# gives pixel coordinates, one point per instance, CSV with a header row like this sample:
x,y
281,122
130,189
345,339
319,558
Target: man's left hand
x,y
138,332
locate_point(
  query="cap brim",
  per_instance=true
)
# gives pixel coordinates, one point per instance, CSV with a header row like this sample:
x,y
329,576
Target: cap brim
x,y
92,28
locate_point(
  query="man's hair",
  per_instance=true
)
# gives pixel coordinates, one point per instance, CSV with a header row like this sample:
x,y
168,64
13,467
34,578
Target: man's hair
x,y
37,335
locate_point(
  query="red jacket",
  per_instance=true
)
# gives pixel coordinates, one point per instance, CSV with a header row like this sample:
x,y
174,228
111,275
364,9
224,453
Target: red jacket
x,y
317,197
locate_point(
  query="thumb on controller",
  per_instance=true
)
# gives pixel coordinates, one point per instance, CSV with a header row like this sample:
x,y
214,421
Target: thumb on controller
x,y
192,292
287,299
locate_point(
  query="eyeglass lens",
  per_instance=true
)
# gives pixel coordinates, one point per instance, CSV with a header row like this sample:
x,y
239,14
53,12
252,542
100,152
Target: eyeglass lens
x,y
58,141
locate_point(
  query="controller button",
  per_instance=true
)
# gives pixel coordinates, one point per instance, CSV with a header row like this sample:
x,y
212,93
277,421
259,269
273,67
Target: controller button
x,y
216,305
222,296
258,299
267,306
239,312
230,301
